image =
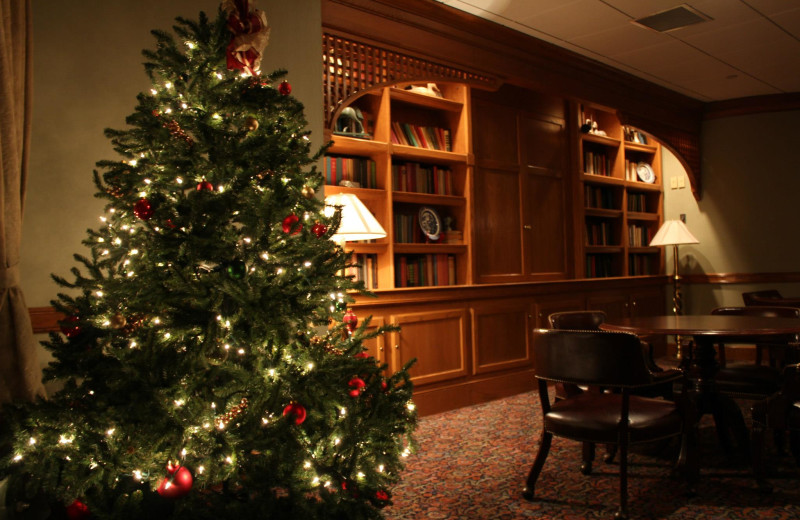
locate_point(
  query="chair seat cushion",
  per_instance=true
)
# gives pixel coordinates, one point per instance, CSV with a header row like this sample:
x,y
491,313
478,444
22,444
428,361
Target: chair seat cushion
x,y
745,379
594,417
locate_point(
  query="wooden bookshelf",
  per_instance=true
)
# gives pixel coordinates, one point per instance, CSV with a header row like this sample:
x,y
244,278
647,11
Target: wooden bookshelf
x,y
620,212
427,166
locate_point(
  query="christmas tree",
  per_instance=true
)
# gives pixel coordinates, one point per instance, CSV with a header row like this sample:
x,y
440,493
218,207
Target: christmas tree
x,y
210,365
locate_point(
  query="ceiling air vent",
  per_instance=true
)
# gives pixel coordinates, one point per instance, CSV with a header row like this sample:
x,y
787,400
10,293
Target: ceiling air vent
x,y
672,19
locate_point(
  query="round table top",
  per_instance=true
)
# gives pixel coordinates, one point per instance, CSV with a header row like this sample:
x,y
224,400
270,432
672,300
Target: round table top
x,y
705,325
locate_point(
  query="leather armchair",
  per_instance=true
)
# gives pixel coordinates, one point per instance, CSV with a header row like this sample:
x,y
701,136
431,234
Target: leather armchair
x,y
608,360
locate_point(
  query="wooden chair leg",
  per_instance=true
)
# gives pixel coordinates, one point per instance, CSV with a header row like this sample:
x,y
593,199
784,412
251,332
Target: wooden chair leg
x,y
757,457
622,512
588,458
611,452
794,445
544,448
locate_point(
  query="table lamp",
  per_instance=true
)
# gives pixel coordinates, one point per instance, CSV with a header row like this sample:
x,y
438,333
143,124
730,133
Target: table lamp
x,y
357,223
674,233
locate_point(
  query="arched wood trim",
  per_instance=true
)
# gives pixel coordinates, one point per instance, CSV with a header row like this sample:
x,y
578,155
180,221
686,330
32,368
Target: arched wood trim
x,y
684,145
352,68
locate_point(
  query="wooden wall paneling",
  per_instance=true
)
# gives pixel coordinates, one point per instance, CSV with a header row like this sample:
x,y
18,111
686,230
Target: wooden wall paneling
x,y
545,306
437,339
500,338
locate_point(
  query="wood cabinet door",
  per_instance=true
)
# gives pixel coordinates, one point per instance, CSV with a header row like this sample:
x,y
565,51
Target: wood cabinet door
x,y
437,339
500,338
542,166
650,301
376,347
497,221
616,304
496,211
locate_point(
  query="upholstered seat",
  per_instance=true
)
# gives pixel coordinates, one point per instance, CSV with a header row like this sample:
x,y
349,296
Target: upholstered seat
x,y
614,361
762,378
597,417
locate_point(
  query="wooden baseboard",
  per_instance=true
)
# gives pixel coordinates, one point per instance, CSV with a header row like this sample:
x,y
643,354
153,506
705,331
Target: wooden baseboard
x,y
442,399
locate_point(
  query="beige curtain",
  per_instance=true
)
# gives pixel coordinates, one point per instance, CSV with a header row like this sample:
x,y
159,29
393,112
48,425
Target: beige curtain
x,y
20,375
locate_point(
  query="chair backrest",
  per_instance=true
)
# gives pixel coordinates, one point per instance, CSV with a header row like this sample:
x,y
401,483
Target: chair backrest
x,y
758,297
590,358
759,310
577,320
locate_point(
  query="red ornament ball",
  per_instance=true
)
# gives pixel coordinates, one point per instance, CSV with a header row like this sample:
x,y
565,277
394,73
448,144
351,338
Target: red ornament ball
x,y
357,385
362,355
177,484
204,185
381,495
143,209
350,320
289,224
77,510
295,410
319,229
70,326
285,88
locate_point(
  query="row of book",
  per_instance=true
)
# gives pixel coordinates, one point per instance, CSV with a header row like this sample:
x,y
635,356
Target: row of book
x,y
420,178
424,270
599,266
630,170
637,202
429,137
360,170
639,265
598,233
407,230
599,197
596,163
639,236
365,270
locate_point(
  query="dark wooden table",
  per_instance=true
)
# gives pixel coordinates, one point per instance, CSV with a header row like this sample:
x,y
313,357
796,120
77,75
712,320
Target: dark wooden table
x,y
701,363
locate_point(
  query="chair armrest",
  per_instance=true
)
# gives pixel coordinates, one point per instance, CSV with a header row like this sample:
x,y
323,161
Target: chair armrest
x,y
670,374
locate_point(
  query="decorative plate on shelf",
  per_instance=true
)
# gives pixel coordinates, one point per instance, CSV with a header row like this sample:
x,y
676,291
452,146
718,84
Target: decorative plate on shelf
x,y
430,223
645,173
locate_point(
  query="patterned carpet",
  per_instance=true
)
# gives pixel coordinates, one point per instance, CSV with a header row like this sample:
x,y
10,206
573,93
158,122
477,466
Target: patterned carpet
x,y
472,464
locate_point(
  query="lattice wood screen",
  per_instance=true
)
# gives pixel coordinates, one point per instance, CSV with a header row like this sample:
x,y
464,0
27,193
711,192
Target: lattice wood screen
x,y
351,67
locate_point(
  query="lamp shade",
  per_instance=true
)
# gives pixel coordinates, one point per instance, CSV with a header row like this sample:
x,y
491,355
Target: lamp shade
x,y
672,233
357,223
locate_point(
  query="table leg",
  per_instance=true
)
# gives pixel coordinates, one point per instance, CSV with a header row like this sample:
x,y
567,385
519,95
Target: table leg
x,y
728,418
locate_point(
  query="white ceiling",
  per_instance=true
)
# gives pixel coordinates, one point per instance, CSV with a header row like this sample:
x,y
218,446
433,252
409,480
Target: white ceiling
x,y
749,48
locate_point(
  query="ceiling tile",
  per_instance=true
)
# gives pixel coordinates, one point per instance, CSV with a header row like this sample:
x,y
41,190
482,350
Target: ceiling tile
x,y
619,39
